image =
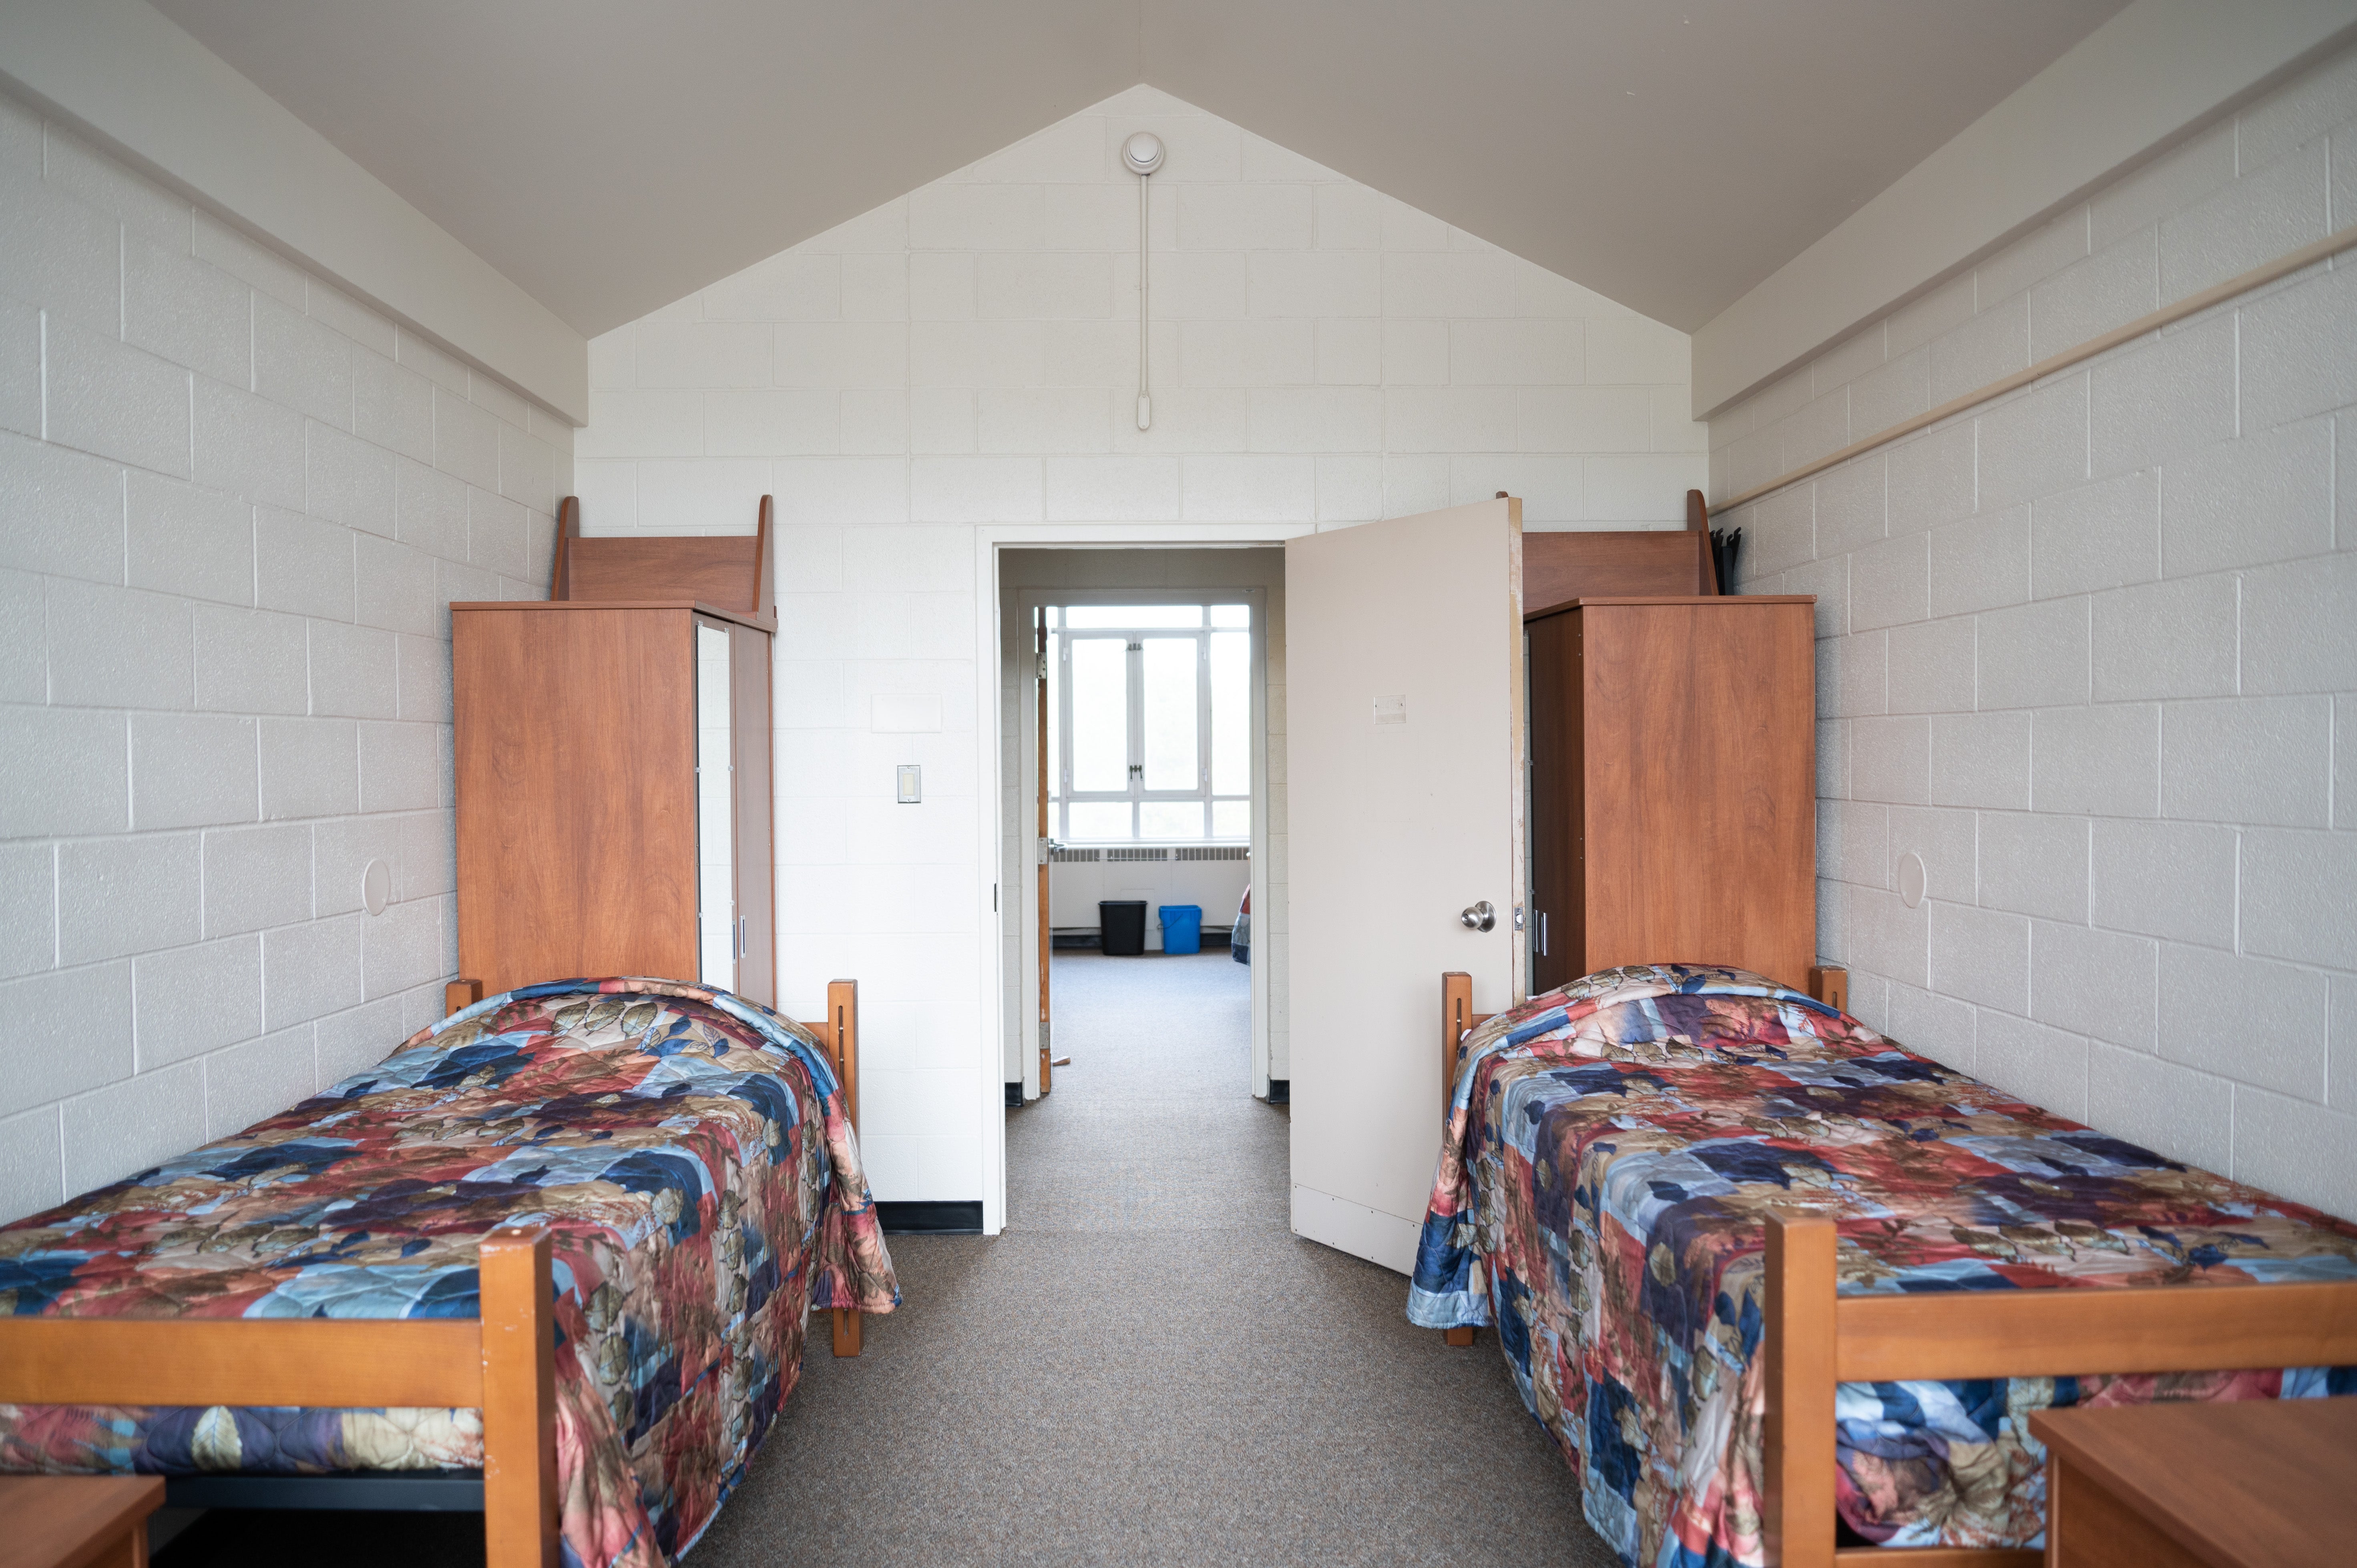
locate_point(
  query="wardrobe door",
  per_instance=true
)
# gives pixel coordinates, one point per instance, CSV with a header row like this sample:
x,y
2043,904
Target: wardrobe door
x,y
575,756
1557,919
757,950
716,809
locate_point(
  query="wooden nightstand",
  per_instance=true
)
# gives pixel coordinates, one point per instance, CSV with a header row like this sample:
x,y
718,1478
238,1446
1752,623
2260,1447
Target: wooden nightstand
x,y
77,1522
2257,1484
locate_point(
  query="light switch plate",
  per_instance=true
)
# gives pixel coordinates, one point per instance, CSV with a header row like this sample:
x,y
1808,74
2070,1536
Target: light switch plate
x,y
912,784
1391,710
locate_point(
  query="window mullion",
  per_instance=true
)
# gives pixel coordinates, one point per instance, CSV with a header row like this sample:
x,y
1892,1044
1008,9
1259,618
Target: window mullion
x,y
1134,654
1203,719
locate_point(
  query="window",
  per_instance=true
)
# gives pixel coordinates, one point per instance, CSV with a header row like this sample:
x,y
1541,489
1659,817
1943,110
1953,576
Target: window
x,y
1149,721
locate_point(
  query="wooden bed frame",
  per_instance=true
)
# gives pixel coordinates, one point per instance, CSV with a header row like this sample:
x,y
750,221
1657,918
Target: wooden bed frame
x,y
1814,1339
501,1363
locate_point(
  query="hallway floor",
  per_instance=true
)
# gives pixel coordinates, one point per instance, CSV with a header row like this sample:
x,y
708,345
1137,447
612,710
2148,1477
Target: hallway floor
x,y
1147,1366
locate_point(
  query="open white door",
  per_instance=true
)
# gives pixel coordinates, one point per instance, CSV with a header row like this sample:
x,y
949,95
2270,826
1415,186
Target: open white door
x,y
1403,742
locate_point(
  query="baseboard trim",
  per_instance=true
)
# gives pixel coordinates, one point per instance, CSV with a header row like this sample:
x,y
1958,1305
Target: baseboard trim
x,y
924,1218
1280,1092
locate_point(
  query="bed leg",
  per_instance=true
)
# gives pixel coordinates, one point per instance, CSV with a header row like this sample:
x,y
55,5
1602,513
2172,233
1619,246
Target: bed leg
x,y
846,1332
1460,1337
1798,1345
1456,1017
519,1401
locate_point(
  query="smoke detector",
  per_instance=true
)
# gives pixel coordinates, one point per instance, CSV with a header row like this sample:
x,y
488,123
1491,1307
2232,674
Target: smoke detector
x,y
1142,152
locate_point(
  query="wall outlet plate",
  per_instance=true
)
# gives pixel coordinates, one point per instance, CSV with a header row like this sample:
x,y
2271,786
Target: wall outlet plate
x,y
912,784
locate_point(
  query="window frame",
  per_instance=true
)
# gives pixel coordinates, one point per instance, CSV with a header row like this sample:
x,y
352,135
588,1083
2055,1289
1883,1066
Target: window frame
x,y
1062,796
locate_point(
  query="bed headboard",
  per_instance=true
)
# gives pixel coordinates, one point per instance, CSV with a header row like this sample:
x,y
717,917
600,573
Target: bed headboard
x,y
729,570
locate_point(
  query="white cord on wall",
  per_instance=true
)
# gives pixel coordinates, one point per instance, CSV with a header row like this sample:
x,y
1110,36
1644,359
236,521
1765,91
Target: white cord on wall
x,y
1143,154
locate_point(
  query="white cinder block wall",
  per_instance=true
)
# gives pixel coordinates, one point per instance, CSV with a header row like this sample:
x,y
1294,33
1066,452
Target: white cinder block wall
x,y
2091,652
234,503
1322,355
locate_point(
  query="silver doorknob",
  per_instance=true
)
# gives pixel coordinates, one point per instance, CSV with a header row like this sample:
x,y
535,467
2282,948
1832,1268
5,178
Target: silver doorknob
x,y
1480,917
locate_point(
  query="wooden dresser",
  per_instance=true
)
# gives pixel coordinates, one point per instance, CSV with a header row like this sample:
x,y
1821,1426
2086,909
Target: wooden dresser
x,y
2244,1484
1673,743
612,750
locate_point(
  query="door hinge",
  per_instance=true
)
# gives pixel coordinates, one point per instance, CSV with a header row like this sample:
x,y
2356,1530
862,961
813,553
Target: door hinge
x,y
1044,846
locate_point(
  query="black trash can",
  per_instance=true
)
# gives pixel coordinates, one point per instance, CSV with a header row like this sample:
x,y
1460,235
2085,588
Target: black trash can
x,y
1121,924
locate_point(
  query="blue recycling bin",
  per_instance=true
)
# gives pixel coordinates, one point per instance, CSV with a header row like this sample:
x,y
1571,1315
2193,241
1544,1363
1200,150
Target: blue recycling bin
x,y
1183,928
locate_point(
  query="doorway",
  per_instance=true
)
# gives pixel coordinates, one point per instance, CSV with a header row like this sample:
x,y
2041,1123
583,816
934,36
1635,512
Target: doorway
x,y
1140,711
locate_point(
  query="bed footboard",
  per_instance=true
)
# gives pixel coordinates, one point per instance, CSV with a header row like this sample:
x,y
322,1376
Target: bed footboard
x,y
1814,1339
502,1364
840,1031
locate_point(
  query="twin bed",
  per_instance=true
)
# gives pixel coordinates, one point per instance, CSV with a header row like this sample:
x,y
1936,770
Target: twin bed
x,y
566,1240
1783,1292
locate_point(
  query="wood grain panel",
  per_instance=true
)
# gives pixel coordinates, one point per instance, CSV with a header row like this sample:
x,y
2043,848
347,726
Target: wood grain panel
x,y
1700,815
1797,1345
519,1401
321,1361
2277,1483
1560,568
77,1522
2062,1332
575,760
716,568
2088,1527
1558,889
757,904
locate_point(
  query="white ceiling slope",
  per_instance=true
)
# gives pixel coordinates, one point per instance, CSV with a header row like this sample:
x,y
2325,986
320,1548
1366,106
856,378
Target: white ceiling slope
x,y
611,156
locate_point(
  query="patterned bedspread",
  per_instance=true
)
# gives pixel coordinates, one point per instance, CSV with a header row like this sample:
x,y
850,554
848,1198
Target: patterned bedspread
x,y
687,1150
1612,1152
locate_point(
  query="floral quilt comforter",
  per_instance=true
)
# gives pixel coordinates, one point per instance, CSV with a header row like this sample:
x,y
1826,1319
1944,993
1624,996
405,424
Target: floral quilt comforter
x,y
687,1150
1610,1154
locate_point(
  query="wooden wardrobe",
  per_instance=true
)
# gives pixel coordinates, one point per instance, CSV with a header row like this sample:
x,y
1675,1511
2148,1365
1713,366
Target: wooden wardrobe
x,y
612,753
1673,743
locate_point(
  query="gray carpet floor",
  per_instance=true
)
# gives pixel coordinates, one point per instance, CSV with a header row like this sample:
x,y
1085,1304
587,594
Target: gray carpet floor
x,y
1148,1367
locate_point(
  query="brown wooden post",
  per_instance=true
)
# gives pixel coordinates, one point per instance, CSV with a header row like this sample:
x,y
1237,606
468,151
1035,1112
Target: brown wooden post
x,y
843,1015
763,596
519,1400
1455,1019
459,994
1830,985
568,528
1698,521
1797,1521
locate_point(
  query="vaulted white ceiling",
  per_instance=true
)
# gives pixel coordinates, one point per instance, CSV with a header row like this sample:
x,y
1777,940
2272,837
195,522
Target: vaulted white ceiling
x,y
613,155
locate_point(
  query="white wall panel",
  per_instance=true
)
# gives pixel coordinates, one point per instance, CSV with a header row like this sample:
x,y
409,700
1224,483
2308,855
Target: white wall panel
x,y
2115,615
220,696
981,335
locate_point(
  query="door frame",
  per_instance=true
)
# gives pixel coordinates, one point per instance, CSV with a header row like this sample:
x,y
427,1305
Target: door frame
x,y
989,906
1028,601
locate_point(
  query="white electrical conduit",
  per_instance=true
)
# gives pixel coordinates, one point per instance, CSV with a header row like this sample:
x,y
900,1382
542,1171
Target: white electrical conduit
x,y
2191,305
1143,154
1145,404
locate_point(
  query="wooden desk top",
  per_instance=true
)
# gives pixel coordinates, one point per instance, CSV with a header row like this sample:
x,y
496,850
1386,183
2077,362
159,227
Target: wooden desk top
x,y
59,1522
2242,1485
